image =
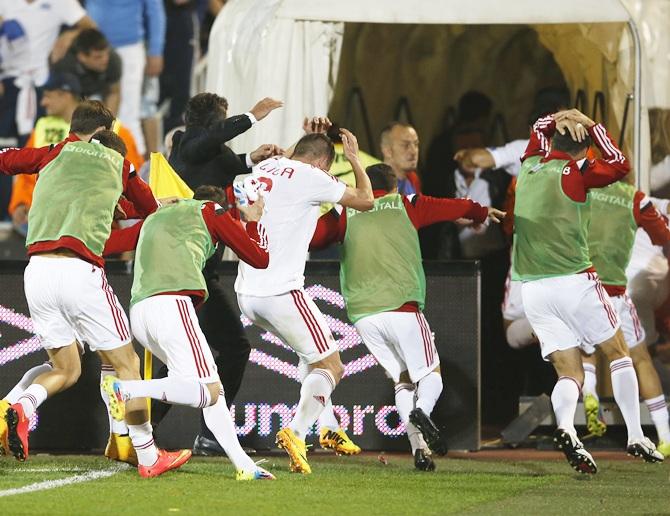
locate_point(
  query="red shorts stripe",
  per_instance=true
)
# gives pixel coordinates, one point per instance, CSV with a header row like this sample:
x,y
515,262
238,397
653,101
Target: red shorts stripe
x,y
308,311
118,318
599,290
308,321
425,339
196,342
196,358
431,344
634,316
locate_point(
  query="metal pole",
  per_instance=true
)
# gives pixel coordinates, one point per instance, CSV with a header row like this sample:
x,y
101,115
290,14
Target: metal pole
x,y
637,98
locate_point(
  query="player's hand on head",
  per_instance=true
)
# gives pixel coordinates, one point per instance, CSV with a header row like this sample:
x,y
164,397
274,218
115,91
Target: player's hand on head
x,y
265,151
252,212
349,144
574,115
316,125
576,130
496,215
264,107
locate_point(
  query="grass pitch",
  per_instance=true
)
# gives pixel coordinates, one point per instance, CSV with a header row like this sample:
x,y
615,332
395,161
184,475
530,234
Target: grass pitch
x,y
338,485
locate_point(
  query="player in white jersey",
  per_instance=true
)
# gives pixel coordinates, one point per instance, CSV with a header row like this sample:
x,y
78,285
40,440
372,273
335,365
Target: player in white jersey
x,y
293,189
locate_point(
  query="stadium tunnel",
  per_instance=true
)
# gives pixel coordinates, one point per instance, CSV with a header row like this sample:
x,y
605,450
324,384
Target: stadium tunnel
x,y
311,53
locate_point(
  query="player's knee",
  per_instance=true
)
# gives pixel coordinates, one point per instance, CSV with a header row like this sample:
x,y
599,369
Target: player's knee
x,y
214,389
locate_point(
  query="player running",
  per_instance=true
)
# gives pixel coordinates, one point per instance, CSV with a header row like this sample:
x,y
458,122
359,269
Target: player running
x,y
69,297
563,297
620,209
384,287
273,298
174,244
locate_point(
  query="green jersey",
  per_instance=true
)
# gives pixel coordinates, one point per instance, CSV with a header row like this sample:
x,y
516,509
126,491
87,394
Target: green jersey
x,y
173,247
76,195
612,234
550,229
381,265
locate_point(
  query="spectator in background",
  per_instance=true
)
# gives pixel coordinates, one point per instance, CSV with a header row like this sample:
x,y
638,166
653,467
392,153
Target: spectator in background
x,y
29,32
400,150
123,22
175,81
97,67
62,95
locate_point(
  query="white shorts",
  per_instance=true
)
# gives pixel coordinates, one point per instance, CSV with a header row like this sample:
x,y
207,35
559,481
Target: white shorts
x,y
512,305
569,311
294,318
71,300
631,326
168,327
648,288
400,341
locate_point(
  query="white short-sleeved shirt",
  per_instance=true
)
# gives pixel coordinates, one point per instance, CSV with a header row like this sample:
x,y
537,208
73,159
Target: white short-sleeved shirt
x,y
293,192
508,156
35,26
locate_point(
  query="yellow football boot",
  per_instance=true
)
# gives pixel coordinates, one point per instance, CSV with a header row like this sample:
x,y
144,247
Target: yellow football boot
x,y
4,445
338,441
664,448
120,448
594,424
296,449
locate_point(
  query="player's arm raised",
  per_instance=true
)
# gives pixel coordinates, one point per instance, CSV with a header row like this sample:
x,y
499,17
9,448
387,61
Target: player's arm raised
x,y
359,198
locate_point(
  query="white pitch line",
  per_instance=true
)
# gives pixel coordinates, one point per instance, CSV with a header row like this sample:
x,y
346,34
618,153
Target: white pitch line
x,y
52,484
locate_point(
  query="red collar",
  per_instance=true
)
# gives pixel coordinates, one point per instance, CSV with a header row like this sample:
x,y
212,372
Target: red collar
x,y
379,193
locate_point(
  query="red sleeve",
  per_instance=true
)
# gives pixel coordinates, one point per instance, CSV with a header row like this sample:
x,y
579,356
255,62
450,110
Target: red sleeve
x,y
540,135
250,244
415,180
138,192
122,240
613,165
330,228
650,219
424,210
22,161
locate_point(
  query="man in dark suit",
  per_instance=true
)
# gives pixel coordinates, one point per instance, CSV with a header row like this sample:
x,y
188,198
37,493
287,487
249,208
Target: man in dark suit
x,y
201,157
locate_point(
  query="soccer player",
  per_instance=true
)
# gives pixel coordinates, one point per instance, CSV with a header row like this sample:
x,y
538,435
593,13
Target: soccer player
x,y
563,297
620,209
69,297
273,298
384,287
174,244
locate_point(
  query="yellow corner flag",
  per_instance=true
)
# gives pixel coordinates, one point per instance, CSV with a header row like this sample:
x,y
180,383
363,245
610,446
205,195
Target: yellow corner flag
x,y
164,181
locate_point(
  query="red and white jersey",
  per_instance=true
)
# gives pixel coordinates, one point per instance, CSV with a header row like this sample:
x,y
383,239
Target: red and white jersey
x,y
293,192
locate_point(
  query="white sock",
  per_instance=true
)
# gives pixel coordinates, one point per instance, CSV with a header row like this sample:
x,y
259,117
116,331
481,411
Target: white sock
x,y
627,395
143,442
32,398
404,402
314,394
25,382
590,380
220,422
520,334
658,410
564,399
116,427
428,390
327,418
172,389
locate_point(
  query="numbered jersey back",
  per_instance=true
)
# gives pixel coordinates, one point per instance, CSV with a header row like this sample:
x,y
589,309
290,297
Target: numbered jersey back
x,y
293,192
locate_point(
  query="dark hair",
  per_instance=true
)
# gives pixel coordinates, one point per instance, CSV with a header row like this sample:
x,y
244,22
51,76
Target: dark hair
x,y
203,109
110,140
388,128
315,145
334,133
549,100
565,143
211,193
89,40
382,177
89,115
472,106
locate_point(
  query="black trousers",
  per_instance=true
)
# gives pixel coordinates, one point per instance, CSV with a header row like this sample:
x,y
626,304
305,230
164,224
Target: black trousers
x,y
220,323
